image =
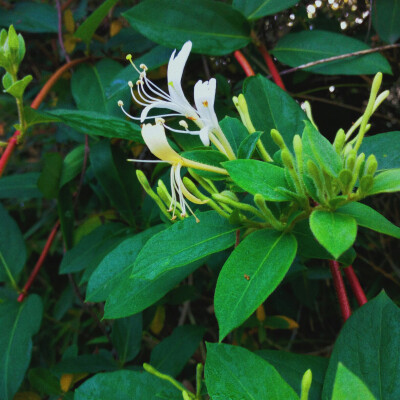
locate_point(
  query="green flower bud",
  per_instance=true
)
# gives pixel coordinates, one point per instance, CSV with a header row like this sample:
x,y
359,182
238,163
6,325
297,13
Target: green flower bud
x,y
278,139
306,384
287,159
229,195
351,160
371,165
339,141
345,177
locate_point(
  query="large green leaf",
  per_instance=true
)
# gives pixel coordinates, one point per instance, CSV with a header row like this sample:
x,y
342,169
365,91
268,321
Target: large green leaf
x,y
318,149
252,272
134,295
292,367
258,177
307,46
385,147
270,107
348,386
72,164
12,248
88,253
183,243
49,179
369,218
19,322
235,373
214,28
20,186
255,9
385,18
126,385
104,162
368,345
89,26
30,17
97,124
172,354
386,182
116,265
126,336
333,230
234,131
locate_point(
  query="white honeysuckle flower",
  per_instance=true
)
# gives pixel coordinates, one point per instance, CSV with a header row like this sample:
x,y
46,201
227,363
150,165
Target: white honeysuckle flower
x,y
150,96
156,140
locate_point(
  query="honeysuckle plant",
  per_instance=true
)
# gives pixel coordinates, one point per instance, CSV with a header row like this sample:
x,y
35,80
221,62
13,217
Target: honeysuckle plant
x,y
250,209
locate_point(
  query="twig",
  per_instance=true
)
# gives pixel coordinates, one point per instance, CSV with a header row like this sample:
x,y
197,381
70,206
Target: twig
x,y
340,57
59,28
39,263
241,59
355,285
340,289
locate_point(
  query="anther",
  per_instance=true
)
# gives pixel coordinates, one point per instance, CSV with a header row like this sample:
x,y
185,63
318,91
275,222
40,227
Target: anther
x,y
160,121
120,103
130,84
143,67
184,124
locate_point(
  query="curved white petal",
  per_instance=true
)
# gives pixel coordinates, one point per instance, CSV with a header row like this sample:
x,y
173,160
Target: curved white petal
x,y
203,134
161,104
204,98
175,72
156,140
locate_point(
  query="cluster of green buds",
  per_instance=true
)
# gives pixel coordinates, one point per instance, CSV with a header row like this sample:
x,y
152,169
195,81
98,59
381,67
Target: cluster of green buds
x,y
12,52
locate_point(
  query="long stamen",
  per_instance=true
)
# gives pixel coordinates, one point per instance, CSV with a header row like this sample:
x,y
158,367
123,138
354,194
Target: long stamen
x,y
121,105
180,130
155,89
134,97
142,94
150,161
173,194
129,58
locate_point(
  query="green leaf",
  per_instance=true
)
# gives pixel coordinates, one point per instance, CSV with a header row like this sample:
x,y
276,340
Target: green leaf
x,y
301,48
114,267
12,248
232,372
386,182
317,148
97,124
126,336
385,18
309,247
255,9
88,253
87,363
65,210
72,164
348,386
17,89
247,147
134,295
270,107
209,157
89,26
369,218
49,179
333,230
104,163
264,257
292,367
19,322
20,186
385,147
367,345
214,28
31,17
183,243
234,131
172,354
126,385
255,177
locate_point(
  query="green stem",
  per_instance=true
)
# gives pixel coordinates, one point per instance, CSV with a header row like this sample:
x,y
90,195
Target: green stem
x,y
9,274
199,374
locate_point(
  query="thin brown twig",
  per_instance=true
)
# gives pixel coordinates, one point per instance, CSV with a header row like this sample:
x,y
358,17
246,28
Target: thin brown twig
x,y
340,57
59,29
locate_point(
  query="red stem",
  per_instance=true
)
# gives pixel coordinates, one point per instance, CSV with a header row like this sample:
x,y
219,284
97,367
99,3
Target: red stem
x,y
241,59
271,66
340,289
355,285
39,263
8,151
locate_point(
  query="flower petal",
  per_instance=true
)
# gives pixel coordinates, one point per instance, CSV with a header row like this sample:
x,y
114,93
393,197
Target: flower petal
x,y
204,98
161,104
156,140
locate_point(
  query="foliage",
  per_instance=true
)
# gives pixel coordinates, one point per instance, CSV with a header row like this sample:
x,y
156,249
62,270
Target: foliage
x,y
215,258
